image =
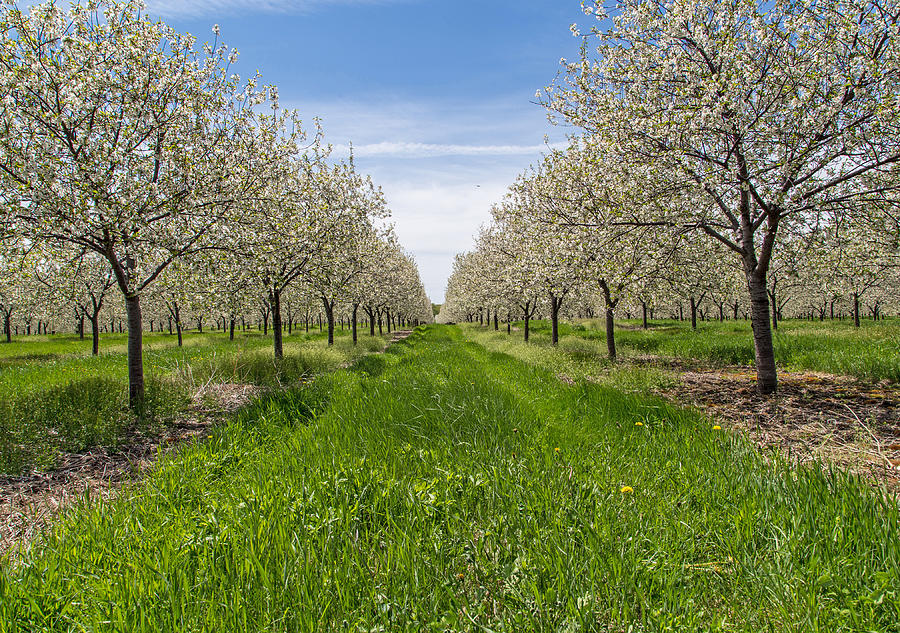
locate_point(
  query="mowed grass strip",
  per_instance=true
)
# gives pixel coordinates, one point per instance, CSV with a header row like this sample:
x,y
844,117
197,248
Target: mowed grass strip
x,y
442,487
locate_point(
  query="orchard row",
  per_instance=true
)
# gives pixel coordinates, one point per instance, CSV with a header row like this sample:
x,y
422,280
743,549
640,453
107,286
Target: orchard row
x,y
142,180
738,158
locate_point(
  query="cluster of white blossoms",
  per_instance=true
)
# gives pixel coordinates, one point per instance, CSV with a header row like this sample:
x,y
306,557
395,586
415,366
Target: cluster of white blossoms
x,y
736,154
133,162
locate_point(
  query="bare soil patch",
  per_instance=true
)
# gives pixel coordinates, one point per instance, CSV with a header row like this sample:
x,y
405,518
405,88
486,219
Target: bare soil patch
x,y
851,423
29,502
399,335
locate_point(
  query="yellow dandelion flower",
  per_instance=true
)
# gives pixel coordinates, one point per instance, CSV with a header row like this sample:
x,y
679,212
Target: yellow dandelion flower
x,y
639,424
556,449
717,428
626,489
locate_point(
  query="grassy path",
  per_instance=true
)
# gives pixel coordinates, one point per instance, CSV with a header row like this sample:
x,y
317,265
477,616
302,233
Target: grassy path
x,y
442,487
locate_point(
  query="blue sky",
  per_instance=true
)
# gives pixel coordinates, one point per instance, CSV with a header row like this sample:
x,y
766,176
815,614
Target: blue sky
x,y
436,97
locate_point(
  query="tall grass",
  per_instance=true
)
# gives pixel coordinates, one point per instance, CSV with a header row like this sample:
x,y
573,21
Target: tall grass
x,y
871,352
55,397
444,487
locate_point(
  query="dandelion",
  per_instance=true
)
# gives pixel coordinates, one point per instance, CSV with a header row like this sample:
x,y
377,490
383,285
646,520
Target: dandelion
x,y
626,490
639,424
460,576
717,428
556,449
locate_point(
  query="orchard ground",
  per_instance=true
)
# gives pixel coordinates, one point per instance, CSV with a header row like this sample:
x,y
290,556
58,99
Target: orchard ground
x,y
65,427
445,486
839,394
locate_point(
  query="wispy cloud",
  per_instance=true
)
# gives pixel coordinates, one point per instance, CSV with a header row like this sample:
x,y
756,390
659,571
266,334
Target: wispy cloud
x,y
431,150
214,8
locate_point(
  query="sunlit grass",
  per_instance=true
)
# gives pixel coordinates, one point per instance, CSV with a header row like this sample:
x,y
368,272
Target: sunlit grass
x,y
444,487
55,396
871,352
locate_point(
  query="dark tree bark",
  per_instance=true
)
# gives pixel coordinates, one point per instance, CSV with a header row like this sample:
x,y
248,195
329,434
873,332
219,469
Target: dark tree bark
x,y
135,353
275,300
95,334
610,319
644,314
371,314
329,316
353,317
231,329
856,309
774,306
766,373
496,322
528,309
693,313
555,304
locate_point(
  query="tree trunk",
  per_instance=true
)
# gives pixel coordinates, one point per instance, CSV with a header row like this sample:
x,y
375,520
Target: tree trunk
x,y
856,309
275,296
178,331
7,327
353,316
610,320
496,322
527,320
766,373
772,299
610,333
95,334
81,328
644,314
329,315
135,354
555,303
231,330
693,313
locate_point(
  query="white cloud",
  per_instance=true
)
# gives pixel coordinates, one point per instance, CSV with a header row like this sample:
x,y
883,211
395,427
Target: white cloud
x,y
431,150
213,8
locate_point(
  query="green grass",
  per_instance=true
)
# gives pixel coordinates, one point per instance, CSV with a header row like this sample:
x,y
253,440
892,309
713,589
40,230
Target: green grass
x,y
55,397
444,487
871,352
